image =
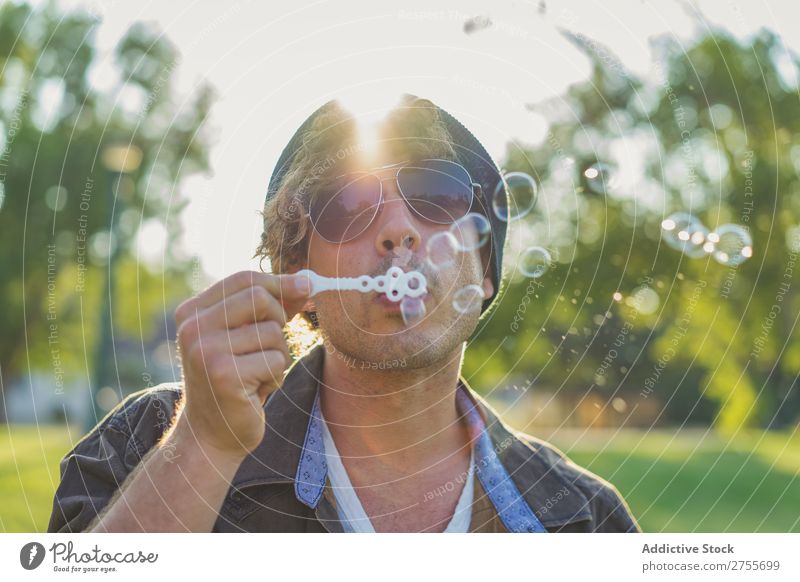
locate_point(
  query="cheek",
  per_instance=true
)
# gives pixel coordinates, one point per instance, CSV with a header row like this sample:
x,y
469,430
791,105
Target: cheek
x,y
335,260
320,254
467,272
472,269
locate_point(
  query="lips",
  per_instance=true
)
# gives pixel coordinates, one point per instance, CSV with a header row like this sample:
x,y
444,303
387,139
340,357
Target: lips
x,y
393,306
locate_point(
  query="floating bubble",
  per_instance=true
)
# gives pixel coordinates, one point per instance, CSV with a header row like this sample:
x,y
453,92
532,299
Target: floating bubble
x,y
732,244
676,223
442,248
468,299
412,309
515,196
695,247
534,262
600,178
686,233
471,231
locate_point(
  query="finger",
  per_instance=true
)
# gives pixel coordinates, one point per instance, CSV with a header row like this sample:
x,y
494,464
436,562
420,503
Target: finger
x,y
264,391
290,288
261,368
249,305
247,339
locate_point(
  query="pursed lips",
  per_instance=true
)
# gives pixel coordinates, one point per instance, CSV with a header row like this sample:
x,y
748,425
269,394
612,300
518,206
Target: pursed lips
x,y
393,306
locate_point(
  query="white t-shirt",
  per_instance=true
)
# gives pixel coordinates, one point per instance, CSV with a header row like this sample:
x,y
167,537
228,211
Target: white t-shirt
x,y
351,512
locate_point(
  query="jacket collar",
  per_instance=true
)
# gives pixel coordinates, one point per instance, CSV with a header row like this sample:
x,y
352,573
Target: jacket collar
x,y
546,480
538,473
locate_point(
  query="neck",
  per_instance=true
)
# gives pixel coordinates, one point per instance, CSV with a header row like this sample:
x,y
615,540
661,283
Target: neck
x,y
401,420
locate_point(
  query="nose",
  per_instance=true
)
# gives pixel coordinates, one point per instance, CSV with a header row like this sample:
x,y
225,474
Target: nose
x,y
397,229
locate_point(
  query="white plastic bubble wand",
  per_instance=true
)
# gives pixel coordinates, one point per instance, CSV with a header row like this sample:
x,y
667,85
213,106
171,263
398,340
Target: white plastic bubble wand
x,y
396,283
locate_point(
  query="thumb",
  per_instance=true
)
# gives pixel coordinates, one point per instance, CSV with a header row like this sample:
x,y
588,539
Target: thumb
x,y
293,291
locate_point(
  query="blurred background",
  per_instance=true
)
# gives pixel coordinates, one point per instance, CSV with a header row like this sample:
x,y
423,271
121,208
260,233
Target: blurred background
x,y
652,332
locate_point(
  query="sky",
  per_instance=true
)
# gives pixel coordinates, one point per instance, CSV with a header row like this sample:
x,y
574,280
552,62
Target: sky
x,y
273,64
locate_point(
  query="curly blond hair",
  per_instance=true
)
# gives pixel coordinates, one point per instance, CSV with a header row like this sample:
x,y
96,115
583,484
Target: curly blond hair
x,y
332,146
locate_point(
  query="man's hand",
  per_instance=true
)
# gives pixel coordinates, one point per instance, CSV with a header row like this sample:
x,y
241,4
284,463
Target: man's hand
x,y
233,355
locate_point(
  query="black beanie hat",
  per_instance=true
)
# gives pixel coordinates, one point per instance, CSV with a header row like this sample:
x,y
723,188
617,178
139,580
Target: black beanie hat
x,y
471,154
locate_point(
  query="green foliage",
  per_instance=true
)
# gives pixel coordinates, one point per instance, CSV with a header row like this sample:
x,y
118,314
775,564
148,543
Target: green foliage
x,y
695,481
29,474
711,133
59,197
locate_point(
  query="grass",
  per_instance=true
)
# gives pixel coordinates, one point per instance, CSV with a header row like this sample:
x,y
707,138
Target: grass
x,y
690,481
29,457
697,481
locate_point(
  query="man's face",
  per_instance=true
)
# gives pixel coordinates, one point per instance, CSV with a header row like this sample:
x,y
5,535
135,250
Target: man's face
x,y
369,328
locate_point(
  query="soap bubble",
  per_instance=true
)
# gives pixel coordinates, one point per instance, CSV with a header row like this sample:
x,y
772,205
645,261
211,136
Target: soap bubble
x,y
442,248
514,196
412,309
732,244
695,247
534,262
468,299
471,231
600,178
676,229
686,233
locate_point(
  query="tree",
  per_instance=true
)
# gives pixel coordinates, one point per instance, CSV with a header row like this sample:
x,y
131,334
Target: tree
x,y
712,134
63,205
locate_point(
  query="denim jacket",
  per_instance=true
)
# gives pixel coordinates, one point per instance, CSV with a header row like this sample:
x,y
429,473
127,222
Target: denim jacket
x,y
525,483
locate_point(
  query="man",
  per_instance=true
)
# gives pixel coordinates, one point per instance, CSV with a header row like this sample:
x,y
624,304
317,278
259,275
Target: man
x,y
372,429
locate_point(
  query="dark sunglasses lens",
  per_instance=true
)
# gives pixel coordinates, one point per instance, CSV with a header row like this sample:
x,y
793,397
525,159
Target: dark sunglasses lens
x,y
348,212
439,190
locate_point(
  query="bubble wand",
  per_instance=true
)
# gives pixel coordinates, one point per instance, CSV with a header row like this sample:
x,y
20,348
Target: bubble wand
x,y
396,283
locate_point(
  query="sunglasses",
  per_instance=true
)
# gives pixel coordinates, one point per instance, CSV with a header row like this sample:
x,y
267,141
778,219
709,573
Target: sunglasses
x,y
439,191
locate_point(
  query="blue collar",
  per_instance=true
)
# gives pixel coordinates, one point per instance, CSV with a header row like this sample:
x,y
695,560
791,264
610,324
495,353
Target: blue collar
x,y
515,513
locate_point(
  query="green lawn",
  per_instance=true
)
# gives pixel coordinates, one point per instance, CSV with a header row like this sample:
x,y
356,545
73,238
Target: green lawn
x,y
29,457
676,482
696,481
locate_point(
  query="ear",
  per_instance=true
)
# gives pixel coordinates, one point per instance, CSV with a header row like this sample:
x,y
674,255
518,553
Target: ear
x,y
488,287
486,256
